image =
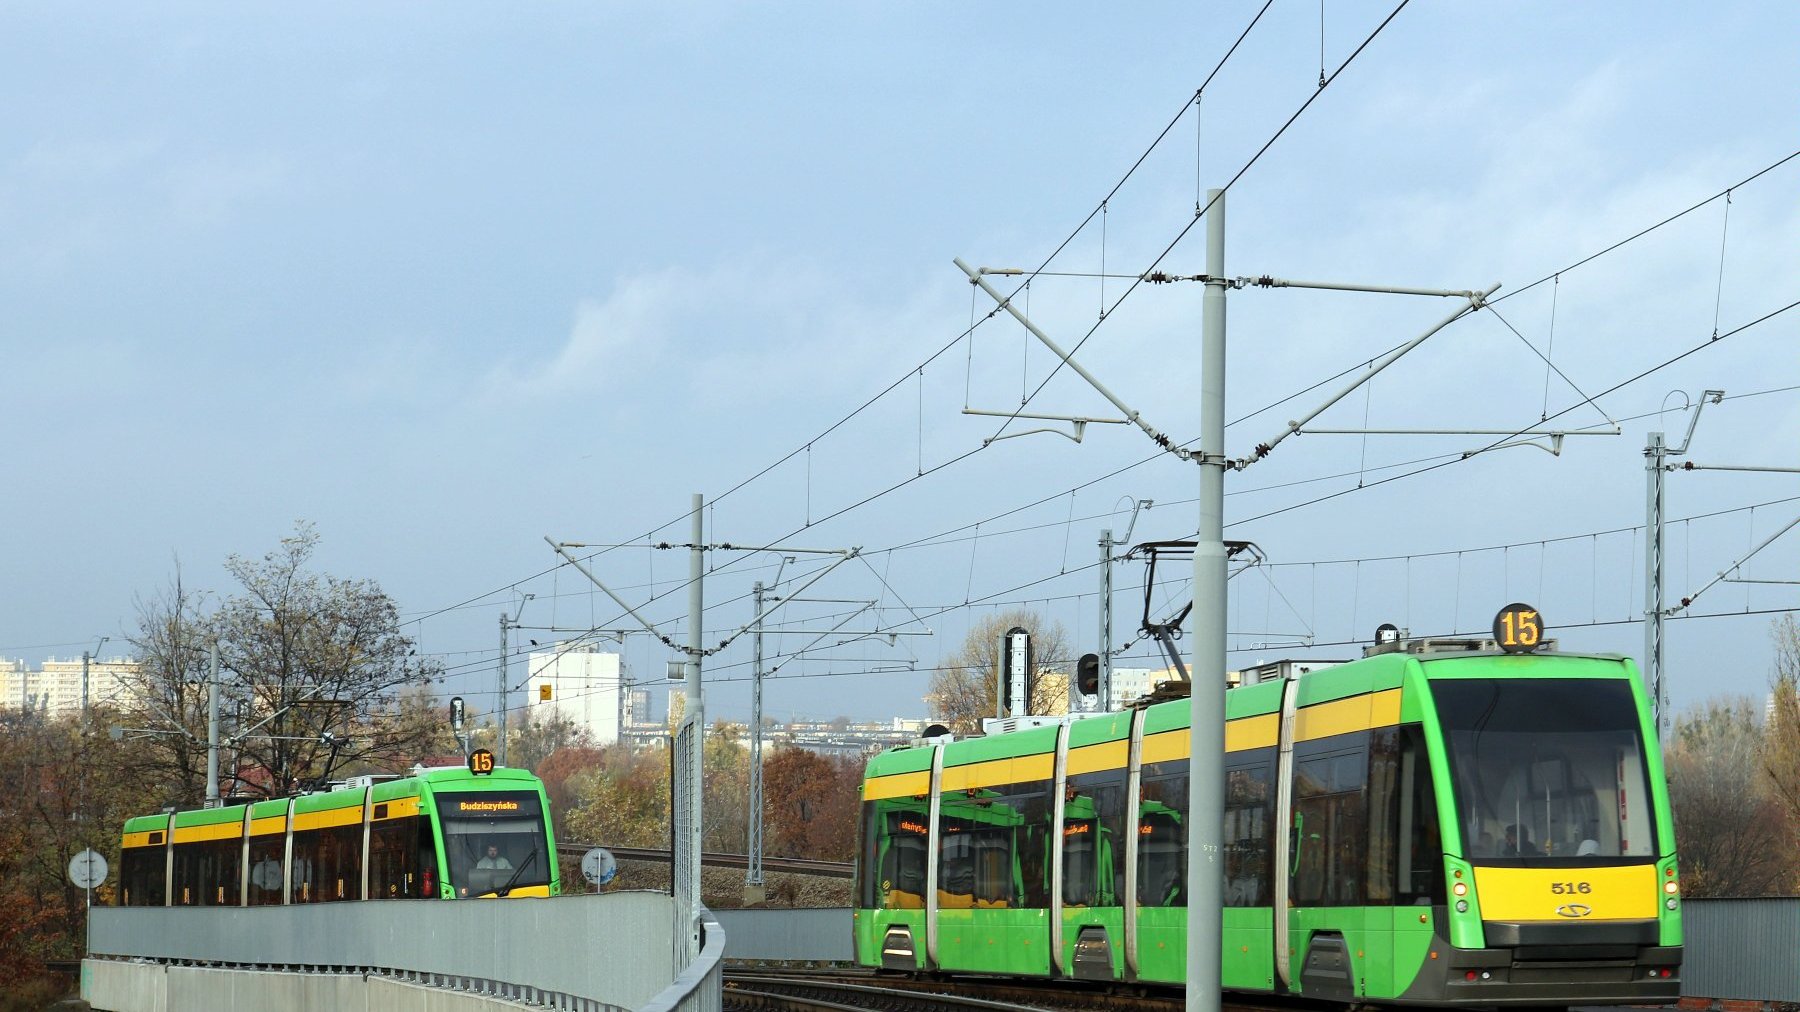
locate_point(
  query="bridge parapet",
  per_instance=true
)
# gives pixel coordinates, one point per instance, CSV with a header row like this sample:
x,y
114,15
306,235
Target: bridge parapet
x,y
608,951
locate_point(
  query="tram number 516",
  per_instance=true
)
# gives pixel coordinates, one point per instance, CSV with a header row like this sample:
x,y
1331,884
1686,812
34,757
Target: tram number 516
x,y
1519,628
1562,888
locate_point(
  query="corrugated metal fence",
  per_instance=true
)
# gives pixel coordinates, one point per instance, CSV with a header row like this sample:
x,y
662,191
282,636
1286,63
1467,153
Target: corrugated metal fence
x,y
788,935
1742,949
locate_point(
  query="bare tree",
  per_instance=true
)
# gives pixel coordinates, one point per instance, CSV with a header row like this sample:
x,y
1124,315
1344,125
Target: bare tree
x,y
312,669
965,689
166,692
1781,740
323,658
1728,826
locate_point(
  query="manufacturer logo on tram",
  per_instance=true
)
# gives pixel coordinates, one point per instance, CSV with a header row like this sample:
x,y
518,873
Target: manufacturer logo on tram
x,y
1574,910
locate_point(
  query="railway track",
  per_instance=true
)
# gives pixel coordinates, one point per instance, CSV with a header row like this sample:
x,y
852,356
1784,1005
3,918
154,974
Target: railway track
x,y
775,990
858,987
745,992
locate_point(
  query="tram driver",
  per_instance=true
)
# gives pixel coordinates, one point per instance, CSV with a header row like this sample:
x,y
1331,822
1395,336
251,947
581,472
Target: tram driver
x,y
494,861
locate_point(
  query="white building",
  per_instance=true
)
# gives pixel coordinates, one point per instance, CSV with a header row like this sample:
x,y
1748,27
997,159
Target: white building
x,y
583,684
55,688
1128,684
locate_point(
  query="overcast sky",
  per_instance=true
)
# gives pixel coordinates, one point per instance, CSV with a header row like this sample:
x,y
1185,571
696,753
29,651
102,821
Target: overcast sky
x,y
444,280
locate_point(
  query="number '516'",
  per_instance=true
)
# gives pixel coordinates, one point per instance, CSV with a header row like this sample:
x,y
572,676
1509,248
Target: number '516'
x,y
1570,887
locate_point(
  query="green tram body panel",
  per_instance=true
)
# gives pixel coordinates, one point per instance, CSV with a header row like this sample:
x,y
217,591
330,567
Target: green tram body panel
x,y
154,846
1417,901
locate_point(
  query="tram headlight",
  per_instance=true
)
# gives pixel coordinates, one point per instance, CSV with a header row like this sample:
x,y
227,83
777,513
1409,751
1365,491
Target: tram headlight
x,y
1670,903
1462,906
1460,889
1670,887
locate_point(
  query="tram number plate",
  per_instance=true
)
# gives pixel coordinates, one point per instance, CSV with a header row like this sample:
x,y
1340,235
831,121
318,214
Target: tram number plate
x,y
1564,888
1519,628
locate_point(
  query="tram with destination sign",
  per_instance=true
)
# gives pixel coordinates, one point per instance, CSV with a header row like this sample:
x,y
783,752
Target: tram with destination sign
x,y
445,833
1469,822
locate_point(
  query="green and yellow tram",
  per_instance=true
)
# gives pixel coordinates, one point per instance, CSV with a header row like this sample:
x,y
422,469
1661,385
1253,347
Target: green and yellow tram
x,y
1433,824
440,833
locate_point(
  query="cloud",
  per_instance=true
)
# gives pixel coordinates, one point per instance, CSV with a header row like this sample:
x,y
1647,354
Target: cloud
x,y
735,329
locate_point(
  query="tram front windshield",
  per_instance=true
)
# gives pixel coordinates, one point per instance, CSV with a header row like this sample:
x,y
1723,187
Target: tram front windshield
x,y
1547,771
493,841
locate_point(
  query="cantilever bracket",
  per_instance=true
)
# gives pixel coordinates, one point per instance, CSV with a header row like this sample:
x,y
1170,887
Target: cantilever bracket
x,y
1078,424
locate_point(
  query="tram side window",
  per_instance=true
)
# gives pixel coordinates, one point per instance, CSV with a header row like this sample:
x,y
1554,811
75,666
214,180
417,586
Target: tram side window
x,y
1162,835
993,846
1093,867
1384,814
1248,857
206,873
266,855
870,837
303,876
141,877
901,866
1331,829
394,871
1027,872
327,864
1420,868
340,864
956,860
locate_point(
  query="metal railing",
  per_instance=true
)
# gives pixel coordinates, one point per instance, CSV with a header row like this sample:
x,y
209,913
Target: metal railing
x,y
700,987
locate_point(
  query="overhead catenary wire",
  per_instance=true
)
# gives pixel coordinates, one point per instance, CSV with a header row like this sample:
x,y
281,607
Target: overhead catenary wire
x,y
1199,216
1553,276
1615,246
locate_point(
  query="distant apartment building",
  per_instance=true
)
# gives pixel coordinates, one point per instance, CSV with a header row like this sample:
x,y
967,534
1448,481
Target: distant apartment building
x,y
585,685
55,688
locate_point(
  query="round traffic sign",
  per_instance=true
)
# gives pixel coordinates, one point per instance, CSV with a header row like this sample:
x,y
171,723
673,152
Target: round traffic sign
x,y
598,866
87,869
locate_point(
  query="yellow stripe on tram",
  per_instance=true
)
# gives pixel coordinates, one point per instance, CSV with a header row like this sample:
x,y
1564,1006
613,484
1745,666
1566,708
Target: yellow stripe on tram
x,y
217,831
898,785
328,819
274,824
399,808
999,772
1108,755
1342,716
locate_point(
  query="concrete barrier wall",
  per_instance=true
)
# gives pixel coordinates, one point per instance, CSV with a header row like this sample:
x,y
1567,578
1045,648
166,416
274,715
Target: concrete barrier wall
x,y
119,986
125,987
615,948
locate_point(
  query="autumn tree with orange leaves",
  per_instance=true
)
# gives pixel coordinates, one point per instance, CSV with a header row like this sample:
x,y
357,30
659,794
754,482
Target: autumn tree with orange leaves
x,y
810,804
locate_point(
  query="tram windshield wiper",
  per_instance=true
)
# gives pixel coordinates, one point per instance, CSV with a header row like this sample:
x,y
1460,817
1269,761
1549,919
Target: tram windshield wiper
x,y
507,888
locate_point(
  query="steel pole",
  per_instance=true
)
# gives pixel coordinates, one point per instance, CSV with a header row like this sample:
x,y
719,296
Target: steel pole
x,y
503,686
1206,706
696,707
212,726
753,869
1654,453
1103,702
